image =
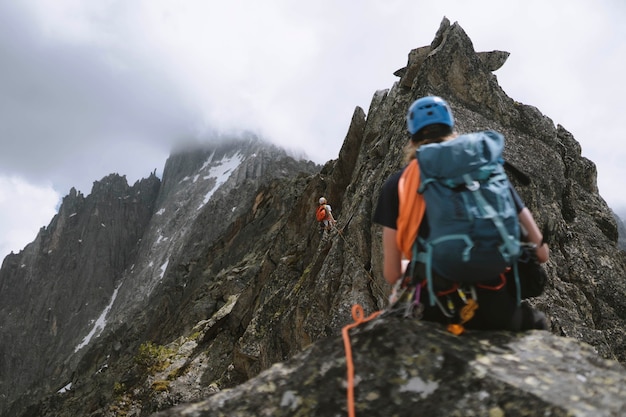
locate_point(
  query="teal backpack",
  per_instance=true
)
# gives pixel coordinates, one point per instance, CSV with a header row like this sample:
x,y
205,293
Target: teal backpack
x,y
474,230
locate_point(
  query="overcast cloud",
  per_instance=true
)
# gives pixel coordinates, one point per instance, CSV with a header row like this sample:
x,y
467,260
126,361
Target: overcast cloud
x,y
92,88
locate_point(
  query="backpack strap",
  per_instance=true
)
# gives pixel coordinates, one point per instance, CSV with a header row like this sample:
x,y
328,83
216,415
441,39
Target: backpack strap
x,y
411,208
509,250
518,285
426,259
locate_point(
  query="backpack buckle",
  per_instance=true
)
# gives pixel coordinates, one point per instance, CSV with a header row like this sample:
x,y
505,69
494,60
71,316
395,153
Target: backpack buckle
x,y
473,186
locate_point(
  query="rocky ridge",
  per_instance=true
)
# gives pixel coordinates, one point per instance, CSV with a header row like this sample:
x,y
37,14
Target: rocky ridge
x,y
407,368
233,297
101,269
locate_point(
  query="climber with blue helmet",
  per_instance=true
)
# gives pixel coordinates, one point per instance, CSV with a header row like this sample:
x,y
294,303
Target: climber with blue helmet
x,y
430,123
428,115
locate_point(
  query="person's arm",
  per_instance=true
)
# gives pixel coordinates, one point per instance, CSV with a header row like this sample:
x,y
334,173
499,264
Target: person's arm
x,y
330,215
392,258
534,234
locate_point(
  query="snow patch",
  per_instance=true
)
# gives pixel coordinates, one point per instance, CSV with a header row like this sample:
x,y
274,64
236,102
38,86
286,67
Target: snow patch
x,y
209,160
163,268
100,323
160,239
221,172
103,368
65,388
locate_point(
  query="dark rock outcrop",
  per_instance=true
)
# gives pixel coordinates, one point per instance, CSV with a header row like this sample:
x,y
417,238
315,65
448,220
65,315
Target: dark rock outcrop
x,y
407,368
231,277
60,283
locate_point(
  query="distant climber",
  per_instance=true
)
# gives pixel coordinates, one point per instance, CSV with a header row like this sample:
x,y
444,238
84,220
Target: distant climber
x,y
324,215
453,213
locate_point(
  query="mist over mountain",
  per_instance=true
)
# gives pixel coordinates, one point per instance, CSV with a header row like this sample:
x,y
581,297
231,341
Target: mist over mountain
x,y
621,229
210,291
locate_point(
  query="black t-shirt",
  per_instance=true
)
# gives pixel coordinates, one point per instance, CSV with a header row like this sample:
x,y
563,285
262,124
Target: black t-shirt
x,y
388,207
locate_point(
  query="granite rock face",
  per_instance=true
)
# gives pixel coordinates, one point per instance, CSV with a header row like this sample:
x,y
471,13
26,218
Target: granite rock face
x,y
100,279
407,368
59,284
226,280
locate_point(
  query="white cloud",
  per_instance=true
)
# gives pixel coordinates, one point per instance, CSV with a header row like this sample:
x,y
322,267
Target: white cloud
x,y
25,209
91,88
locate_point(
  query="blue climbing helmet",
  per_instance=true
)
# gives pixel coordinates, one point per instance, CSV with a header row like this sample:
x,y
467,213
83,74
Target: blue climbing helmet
x,y
427,111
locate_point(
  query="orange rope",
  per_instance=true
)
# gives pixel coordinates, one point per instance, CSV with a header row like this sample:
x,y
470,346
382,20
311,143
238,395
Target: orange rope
x,y
496,287
358,317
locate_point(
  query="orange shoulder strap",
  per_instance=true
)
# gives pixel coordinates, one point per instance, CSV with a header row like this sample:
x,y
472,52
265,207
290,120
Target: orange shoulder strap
x,y
411,208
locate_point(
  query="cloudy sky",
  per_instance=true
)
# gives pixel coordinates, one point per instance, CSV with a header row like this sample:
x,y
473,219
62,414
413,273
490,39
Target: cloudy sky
x,y
92,88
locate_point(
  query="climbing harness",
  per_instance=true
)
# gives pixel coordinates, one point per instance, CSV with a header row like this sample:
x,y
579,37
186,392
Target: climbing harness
x,y
405,301
469,299
465,314
408,298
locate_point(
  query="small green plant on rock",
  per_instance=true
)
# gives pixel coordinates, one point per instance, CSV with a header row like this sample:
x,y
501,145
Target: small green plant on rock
x,y
160,385
153,358
119,388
